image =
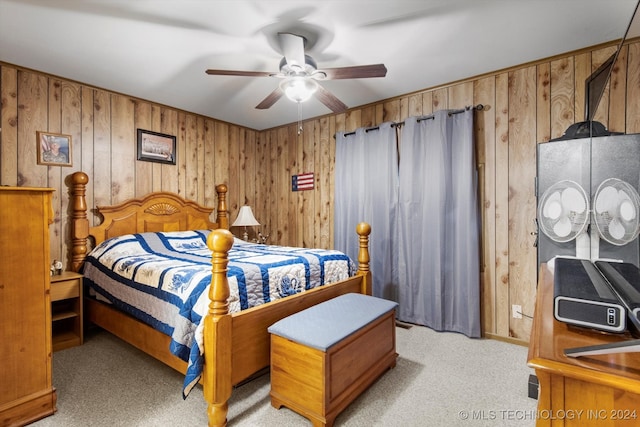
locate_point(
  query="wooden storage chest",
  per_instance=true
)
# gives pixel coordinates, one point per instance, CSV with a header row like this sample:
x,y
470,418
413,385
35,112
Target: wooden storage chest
x,y
324,357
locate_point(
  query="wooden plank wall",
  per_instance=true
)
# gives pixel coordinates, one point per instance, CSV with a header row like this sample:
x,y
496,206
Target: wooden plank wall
x,y
524,105
103,128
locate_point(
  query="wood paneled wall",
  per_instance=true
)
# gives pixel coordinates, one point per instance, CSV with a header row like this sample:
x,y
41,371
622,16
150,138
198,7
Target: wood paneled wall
x,y
524,105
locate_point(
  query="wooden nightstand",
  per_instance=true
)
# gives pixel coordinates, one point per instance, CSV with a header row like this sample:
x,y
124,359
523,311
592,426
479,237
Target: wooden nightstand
x,y
66,310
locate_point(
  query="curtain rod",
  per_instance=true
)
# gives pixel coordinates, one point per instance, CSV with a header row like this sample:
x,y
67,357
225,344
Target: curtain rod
x,y
478,107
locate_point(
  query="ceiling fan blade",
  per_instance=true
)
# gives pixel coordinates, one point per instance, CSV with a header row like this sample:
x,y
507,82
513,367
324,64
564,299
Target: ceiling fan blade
x,y
240,73
270,99
330,100
293,49
355,72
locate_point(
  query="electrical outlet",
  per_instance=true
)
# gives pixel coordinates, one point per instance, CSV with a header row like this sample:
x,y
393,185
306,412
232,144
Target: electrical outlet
x,y
516,311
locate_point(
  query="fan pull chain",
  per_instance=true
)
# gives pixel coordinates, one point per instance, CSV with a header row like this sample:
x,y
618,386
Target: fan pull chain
x,y
299,118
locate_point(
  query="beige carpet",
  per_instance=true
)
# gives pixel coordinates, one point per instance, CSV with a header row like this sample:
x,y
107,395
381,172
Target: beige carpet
x,y
441,379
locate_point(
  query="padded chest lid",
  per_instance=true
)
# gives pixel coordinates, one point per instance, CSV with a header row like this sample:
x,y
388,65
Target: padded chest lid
x,y
329,322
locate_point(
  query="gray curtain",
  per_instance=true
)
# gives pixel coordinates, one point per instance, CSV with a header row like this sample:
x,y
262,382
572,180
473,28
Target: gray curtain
x,y
438,222
366,189
424,215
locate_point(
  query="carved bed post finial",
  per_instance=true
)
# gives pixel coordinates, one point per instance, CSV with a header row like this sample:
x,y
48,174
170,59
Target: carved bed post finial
x,y
217,331
222,217
363,229
80,227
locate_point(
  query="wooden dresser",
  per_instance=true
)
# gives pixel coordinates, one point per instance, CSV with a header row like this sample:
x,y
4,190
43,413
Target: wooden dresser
x,y
601,390
26,390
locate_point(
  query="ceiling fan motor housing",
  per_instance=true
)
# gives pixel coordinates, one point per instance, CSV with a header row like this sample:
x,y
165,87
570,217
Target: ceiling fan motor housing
x,y
310,69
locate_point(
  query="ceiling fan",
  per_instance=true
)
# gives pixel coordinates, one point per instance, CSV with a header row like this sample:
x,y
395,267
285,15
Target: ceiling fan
x,y
300,75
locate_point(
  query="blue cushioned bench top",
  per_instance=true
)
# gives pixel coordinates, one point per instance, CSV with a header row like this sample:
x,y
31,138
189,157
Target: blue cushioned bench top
x,y
329,322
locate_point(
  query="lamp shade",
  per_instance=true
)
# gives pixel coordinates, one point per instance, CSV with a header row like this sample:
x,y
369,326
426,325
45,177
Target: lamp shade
x,y
299,89
245,217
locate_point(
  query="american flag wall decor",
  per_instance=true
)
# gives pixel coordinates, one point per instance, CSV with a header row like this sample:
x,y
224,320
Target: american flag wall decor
x,y
302,182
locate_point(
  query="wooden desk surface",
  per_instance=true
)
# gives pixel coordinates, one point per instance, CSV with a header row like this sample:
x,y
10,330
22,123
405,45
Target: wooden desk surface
x,y
549,339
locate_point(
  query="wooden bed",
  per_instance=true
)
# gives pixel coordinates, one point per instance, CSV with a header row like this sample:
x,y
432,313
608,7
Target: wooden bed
x,y
229,360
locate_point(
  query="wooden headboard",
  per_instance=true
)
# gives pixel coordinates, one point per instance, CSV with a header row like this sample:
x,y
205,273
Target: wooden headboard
x,y
159,211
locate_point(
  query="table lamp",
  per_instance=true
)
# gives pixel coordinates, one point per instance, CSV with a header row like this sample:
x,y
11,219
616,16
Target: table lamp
x,y
245,218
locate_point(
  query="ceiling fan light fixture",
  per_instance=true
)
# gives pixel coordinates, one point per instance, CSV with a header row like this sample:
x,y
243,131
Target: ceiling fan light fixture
x,y
299,89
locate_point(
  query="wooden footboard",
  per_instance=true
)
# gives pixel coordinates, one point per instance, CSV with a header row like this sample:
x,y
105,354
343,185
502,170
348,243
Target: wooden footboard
x,y
237,345
250,340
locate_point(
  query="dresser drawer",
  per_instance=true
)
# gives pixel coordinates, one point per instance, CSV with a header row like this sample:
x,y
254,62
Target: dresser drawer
x,y
65,289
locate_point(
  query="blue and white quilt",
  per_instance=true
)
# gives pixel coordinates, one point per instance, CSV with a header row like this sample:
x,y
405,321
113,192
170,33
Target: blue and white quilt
x,y
163,279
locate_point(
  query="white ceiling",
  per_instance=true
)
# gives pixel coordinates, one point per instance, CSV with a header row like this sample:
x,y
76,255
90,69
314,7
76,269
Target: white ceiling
x,y
159,49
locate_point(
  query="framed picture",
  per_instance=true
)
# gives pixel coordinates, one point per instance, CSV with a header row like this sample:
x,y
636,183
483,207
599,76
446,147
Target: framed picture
x,y
54,149
156,147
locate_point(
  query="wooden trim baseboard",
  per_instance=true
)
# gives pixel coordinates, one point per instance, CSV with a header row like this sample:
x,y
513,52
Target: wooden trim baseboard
x,y
510,340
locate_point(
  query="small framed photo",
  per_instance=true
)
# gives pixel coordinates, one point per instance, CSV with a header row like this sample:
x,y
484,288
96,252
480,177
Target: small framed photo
x,y
54,149
156,147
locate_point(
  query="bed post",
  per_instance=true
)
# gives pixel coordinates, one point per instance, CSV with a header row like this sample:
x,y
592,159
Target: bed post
x,y
221,216
79,221
217,332
363,229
